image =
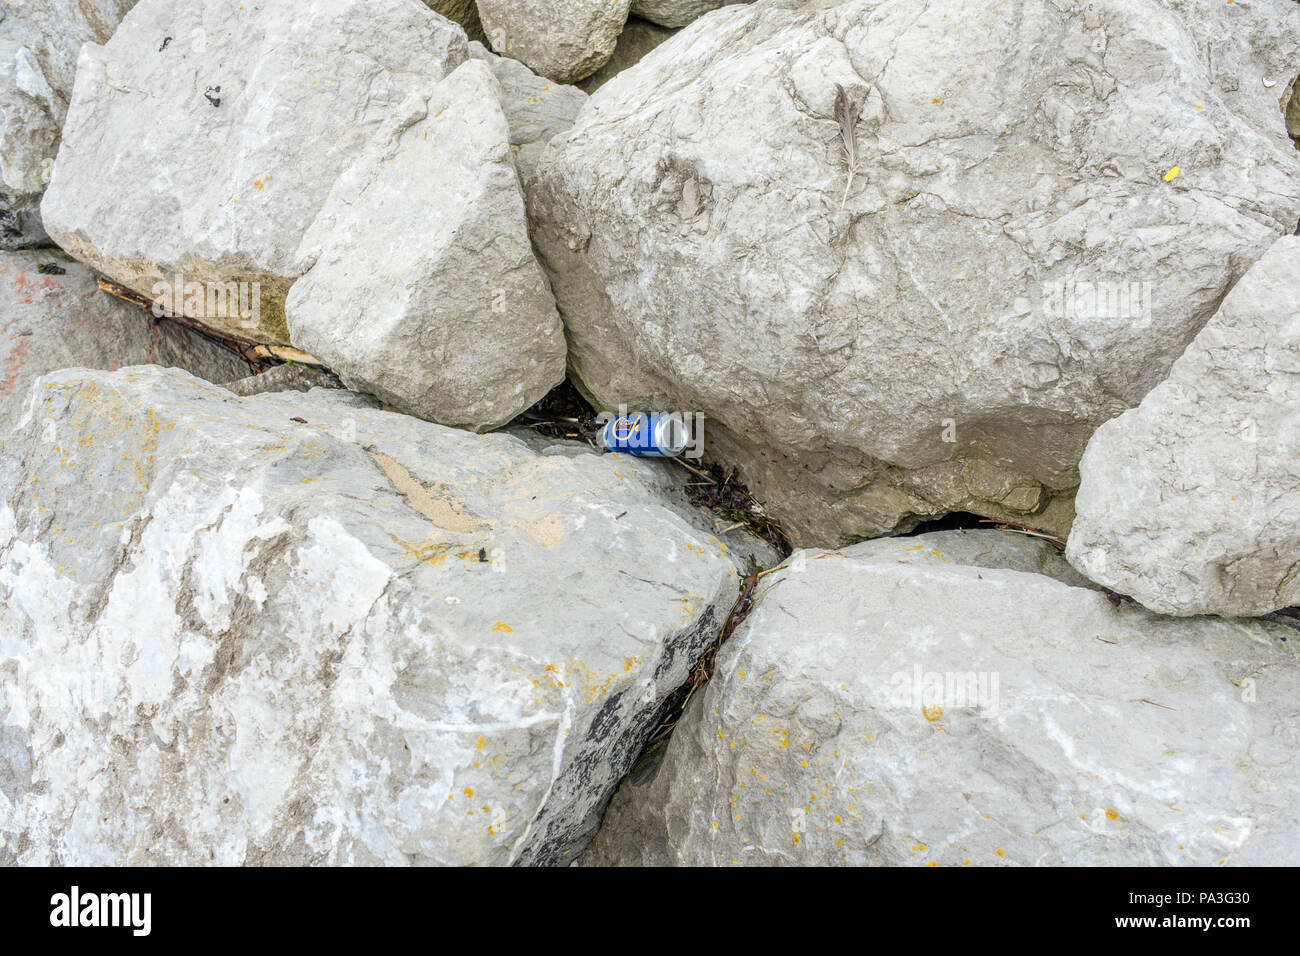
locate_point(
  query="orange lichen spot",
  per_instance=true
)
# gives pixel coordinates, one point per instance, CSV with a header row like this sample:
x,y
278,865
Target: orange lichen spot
x,y
469,792
1000,852
932,713
1112,814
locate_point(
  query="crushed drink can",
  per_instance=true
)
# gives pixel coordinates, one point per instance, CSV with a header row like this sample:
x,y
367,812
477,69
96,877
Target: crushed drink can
x,y
646,434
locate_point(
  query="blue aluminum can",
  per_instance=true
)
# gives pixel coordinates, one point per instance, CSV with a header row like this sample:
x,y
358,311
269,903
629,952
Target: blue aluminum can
x,y
646,434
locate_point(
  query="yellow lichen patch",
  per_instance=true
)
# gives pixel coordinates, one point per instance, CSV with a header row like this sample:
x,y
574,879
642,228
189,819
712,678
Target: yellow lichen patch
x,y
503,627
932,713
432,553
1172,174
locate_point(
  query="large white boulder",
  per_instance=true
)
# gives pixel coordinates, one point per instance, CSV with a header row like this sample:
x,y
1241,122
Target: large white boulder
x,y
54,316
1050,200
275,143
204,138
927,712
39,43
1190,502
442,311
294,629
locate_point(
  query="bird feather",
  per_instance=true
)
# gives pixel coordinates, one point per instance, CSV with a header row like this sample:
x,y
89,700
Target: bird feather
x,y
846,114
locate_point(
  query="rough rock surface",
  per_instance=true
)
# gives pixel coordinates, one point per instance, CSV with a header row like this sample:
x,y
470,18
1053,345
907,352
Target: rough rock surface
x,y
447,316
564,40
1007,550
58,318
1190,503
873,712
536,108
638,38
676,13
184,148
1251,54
369,639
39,42
290,377
1050,201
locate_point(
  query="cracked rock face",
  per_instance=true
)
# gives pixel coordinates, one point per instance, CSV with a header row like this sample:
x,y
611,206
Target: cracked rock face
x,y
231,637
59,318
922,711
447,315
1190,503
564,40
39,41
1049,202
208,175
